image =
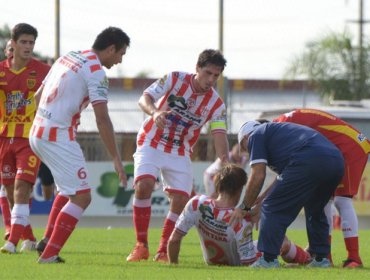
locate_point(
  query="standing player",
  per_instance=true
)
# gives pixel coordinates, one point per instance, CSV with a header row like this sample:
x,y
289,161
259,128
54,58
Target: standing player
x,y
355,149
21,77
210,172
222,243
178,106
74,81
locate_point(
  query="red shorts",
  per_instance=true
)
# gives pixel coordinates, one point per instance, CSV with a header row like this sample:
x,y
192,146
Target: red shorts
x,y
353,171
17,161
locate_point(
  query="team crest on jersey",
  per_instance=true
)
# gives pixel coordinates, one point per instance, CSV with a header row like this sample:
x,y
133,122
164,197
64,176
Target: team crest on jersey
x,y
190,102
2,74
163,80
31,83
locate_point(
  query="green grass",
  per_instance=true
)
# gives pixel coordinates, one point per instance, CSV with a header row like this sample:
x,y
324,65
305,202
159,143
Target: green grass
x,y
101,253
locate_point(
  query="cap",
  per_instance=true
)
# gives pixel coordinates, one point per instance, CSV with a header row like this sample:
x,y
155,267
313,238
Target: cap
x,y
247,128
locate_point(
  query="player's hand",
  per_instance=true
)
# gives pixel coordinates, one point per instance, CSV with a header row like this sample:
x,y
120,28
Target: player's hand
x,y
236,216
160,118
121,174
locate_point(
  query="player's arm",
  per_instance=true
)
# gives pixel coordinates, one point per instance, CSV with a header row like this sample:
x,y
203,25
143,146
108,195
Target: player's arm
x,y
173,247
147,105
107,135
221,146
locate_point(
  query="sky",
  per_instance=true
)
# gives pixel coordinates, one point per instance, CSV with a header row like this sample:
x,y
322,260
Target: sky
x,y
261,37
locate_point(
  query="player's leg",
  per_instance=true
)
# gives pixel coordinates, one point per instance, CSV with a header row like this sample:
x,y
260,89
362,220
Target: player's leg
x,y
292,253
350,230
329,215
6,211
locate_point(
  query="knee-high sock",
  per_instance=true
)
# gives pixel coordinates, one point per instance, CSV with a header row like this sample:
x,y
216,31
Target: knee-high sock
x,y
64,226
296,255
141,218
28,232
349,226
20,219
58,204
169,225
5,210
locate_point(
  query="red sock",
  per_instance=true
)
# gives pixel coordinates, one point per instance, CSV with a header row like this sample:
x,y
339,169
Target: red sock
x,y
301,257
141,219
16,232
64,226
5,210
28,233
58,204
352,248
166,233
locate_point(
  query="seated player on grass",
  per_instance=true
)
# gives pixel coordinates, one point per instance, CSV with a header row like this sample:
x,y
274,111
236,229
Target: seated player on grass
x,y
222,243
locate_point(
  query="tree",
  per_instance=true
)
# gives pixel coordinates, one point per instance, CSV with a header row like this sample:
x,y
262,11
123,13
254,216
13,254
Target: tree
x,y
333,66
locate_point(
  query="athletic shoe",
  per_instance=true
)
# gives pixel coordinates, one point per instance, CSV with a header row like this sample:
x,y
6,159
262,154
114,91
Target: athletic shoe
x,y
8,248
28,246
140,252
161,257
262,263
41,245
324,263
352,264
53,259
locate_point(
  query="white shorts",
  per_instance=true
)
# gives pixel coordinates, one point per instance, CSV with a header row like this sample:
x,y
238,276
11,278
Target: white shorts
x,y
176,171
65,161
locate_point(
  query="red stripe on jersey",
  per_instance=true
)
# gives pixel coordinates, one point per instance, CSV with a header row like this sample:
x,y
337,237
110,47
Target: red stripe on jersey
x,y
71,133
217,104
40,131
87,51
147,128
194,204
158,133
216,212
19,128
169,144
94,68
92,57
237,227
53,134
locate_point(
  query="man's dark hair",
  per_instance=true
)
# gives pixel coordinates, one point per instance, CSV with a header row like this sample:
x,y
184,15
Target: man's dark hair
x,y
111,36
23,28
230,179
210,56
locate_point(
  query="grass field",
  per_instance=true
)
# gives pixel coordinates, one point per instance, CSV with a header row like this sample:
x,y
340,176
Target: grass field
x,y
100,254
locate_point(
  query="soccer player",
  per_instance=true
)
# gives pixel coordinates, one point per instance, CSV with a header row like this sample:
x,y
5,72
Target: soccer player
x,y
75,80
178,105
210,172
21,77
222,243
355,148
8,51
308,167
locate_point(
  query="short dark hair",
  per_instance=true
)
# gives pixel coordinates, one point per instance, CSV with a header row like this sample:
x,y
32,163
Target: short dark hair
x,y
23,28
210,56
230,179
111,36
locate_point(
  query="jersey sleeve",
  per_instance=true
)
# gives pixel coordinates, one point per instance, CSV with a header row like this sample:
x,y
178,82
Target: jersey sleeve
x,y
187,218
97,84
159,88
218,119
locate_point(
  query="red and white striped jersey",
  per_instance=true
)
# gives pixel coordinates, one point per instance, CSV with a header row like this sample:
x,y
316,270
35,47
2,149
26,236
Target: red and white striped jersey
x,y
189,112
74,81
221,243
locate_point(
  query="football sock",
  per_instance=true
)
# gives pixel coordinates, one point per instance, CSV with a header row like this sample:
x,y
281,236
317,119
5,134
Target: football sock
x,y
58,204
5,210
141,217
169,225
64,226
296,254
19,221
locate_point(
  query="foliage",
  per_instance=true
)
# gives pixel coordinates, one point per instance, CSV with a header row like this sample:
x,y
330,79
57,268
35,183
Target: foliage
x,y
334,67
93,253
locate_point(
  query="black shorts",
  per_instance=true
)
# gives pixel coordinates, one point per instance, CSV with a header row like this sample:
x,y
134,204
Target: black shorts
x,y
45,175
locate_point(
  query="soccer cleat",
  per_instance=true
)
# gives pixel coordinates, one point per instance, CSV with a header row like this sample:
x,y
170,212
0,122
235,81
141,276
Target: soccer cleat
x,y
262,263
324,263
8,248
28,246
161,257
140,252
53,259
41,245
352,264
